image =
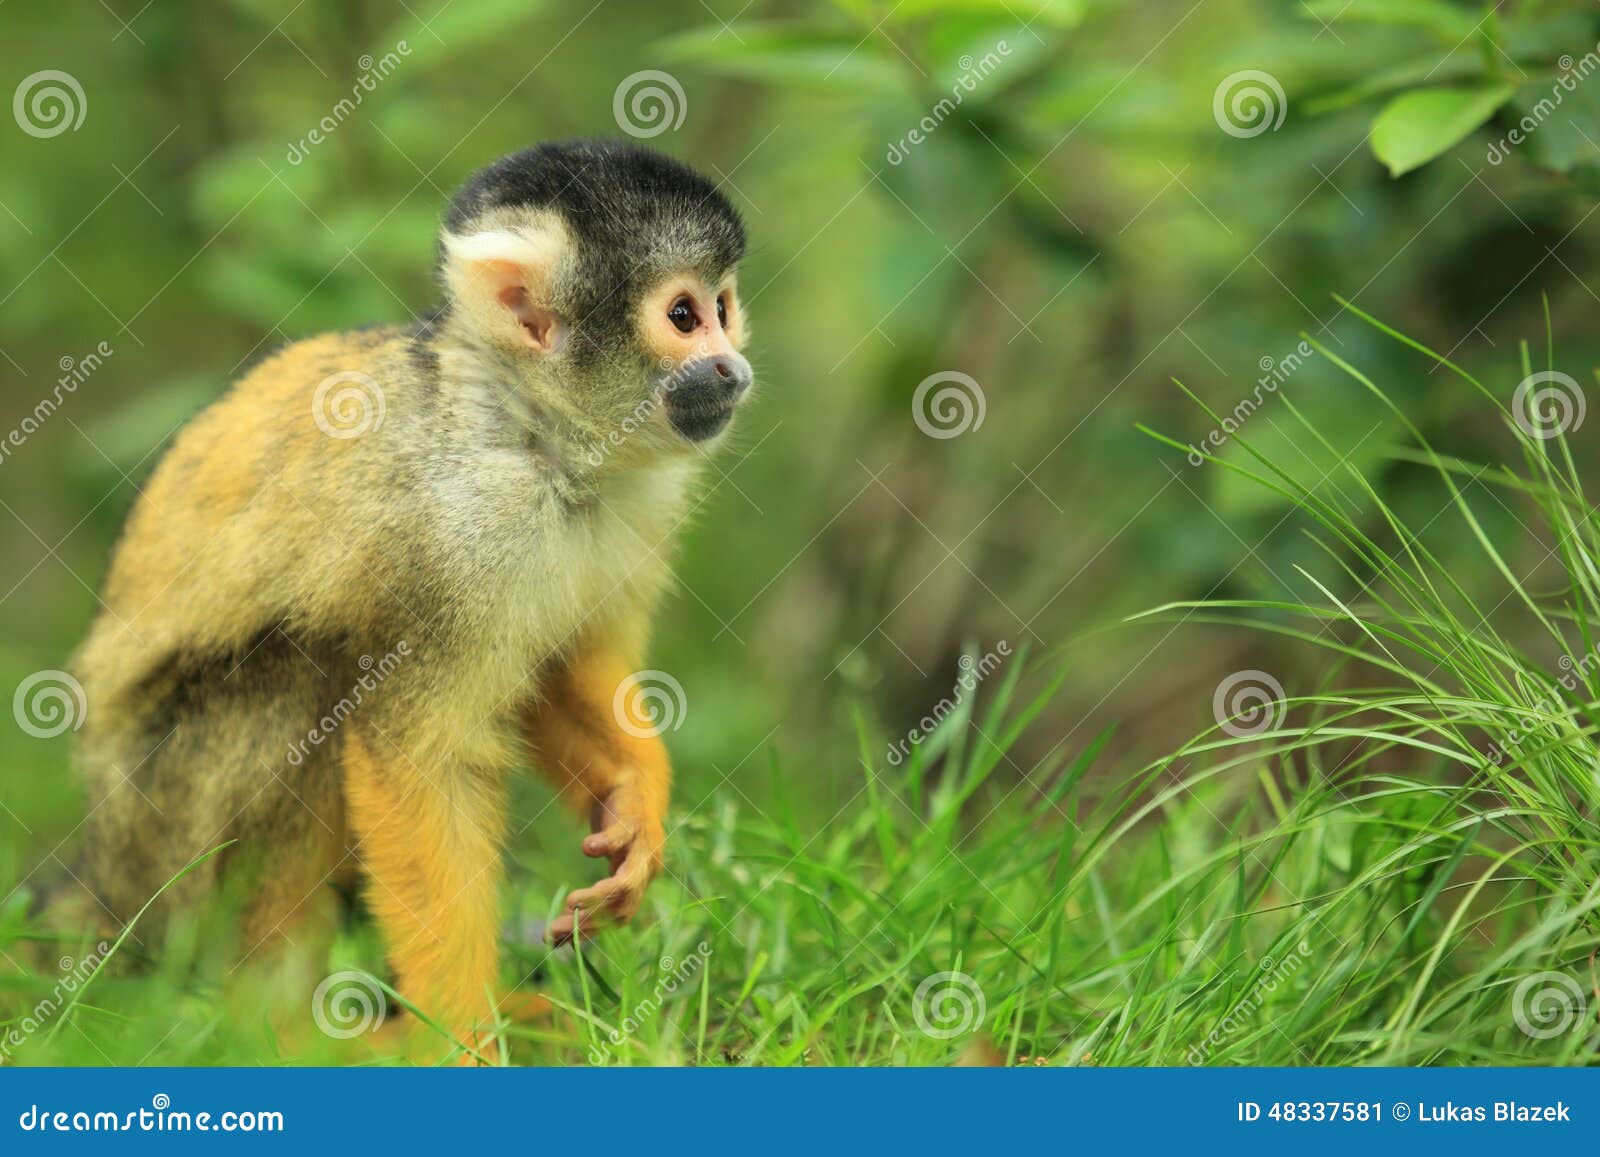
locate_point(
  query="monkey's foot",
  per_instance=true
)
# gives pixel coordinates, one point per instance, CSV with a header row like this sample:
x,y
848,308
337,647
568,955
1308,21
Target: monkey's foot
x,y
523,1006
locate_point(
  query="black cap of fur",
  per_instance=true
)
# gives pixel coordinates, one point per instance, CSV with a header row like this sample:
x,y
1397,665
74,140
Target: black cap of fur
x,y
637,216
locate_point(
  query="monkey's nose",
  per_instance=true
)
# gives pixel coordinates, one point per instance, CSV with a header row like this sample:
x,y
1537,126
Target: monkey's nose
x,y
730,368
720,377
701,395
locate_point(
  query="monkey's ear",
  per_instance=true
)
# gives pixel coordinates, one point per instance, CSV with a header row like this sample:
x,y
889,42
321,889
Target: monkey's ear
x,y
502,279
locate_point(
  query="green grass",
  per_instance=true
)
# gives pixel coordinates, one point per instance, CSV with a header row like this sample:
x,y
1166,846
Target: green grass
x,y
1355,882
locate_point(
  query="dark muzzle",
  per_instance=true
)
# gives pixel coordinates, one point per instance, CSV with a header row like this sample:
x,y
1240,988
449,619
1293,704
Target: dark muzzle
x,y
702,394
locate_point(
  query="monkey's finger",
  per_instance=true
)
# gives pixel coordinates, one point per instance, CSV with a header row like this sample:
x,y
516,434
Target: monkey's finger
x,y
602,897
588,910
561,930
617,897
566,926
610,841
632,876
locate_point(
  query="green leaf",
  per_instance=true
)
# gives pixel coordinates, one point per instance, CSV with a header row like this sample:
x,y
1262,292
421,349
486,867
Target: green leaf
x,y
1060,13
776,53
1415,128
456,29
1454,69
1445,21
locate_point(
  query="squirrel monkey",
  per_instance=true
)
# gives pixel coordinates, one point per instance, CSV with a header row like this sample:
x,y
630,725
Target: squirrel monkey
x,y
385,557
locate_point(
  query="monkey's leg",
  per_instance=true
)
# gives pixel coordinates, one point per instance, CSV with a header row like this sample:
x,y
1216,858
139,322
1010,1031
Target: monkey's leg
x,y
431,850
285,935
295,853
589,738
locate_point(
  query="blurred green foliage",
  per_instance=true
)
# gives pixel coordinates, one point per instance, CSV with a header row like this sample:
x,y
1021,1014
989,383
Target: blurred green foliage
x,y
1076,230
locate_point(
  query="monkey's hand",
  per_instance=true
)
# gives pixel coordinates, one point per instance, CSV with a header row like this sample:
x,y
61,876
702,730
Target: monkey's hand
x,y
628,831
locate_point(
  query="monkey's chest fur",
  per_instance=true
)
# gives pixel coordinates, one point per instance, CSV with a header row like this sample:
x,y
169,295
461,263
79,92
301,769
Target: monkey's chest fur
x,y
585,569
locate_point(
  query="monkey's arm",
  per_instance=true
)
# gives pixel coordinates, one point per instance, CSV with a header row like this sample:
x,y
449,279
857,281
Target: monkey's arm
x,y
619,775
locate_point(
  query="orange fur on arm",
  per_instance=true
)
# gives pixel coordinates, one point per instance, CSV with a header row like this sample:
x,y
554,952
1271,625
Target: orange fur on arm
x,y
577,736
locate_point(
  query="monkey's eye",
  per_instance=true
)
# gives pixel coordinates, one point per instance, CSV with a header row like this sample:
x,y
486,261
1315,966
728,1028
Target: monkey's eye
x,y
681,316
722,311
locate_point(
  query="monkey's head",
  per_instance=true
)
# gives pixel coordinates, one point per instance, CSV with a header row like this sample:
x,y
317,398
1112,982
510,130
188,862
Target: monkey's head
x,y
598,278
